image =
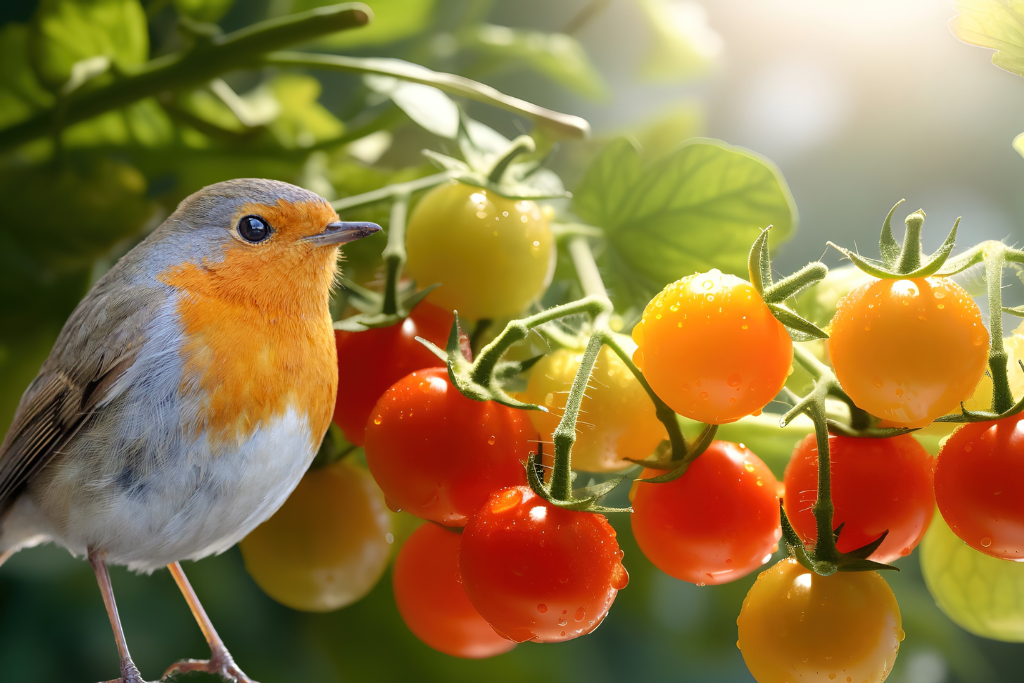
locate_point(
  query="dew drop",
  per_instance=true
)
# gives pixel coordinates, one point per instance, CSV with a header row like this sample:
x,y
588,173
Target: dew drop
x,y
760,483
542,608
969,447
490,441
732,400
376,420
877,381
744,326
986,542
708,284
704,395
734,380
562,622
580,614
389,537
710,297
831,677
620,578
748,466
563,633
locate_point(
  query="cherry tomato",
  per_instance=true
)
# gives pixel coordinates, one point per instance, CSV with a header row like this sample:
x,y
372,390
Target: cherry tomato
x,y
711,349
979,486
369,362
716,523
437,454
617,417
877,484
492,255
908,351
432,601
798,626
539,572
980,593
327,545
1014,346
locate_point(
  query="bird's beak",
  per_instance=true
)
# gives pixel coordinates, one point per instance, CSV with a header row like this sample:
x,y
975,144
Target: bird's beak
x,y
341,232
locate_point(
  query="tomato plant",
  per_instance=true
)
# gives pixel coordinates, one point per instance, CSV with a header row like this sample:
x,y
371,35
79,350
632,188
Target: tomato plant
x,y
539,572
878,485
798,626
620,418
432,601
711,348
979,486
326,547
717,522
371,361
908,350
491,255
439,455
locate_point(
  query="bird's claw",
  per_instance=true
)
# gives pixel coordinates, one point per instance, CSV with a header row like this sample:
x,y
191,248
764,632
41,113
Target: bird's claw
x,y
129,674
220,664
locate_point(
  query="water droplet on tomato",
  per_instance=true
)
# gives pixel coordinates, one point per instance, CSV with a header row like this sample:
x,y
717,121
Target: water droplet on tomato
x,y
986,542
708,284
542,608
580,614
389,537
704,395
620,579
735,380
490,441
831,677
377,420
748,466
710,297
563,633
562,622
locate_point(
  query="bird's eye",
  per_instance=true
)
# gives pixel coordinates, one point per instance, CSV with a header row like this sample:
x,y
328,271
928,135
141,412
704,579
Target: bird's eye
x,y
253,229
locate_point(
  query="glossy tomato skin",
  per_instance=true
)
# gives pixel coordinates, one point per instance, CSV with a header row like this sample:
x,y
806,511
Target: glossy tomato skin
x,y
492,256
710,348
371,361
908,351
798,626
716,523
431,599
539,572
620,417
439,455
979,486
980,593
327,545
877,484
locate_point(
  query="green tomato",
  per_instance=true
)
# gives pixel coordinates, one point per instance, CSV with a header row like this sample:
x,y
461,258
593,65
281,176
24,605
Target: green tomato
x,y
982,594
492,256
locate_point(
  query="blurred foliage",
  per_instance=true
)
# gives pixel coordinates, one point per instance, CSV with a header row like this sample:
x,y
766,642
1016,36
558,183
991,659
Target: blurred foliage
x,y
79,197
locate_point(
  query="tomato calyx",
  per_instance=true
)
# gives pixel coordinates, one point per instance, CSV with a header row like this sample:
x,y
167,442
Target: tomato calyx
x,y
907,260
675,462
776,293
852,561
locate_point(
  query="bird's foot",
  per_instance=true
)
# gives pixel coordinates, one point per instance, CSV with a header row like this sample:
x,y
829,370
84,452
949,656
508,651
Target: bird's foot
x,y
129,674
219,664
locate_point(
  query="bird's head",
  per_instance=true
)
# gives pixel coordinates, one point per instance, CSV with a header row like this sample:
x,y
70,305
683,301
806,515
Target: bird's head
x,y
257,241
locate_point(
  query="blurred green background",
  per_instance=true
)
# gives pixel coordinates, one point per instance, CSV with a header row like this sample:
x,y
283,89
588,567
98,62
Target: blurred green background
x,y
859,103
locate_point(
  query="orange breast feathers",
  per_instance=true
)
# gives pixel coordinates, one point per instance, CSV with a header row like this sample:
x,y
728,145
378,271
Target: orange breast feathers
x,y
258,335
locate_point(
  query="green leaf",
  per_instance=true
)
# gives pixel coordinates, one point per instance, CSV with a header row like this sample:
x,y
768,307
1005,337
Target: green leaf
x,y
683,43
995,24
700,207
302,121
392,20
426,105
20,91
203,10
67,31
558,56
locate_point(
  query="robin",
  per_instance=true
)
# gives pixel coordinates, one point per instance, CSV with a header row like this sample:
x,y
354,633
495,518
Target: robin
x,y
185,396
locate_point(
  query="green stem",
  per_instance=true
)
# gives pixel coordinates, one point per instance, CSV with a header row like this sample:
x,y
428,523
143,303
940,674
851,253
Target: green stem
x,y
586,267
394,253
814,367
522,144
565,433
190,68
910,256
1002,397
789,286
390,191
563,125
825,550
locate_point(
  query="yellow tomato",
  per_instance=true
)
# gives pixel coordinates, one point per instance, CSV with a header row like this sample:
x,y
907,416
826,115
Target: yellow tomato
x,y
328,544
492,256
796,626
617,418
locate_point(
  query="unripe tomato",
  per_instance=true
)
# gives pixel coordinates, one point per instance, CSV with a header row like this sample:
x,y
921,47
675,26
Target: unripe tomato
x,y
492,255
979,486
432,601
1014,345
327,545
982,594
439,455
617,417
539,572
798,626
877,485
908,351
371,361
716,523
711,349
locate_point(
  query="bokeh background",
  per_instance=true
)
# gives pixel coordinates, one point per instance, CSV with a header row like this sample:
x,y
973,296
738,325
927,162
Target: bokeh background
x,y
859,103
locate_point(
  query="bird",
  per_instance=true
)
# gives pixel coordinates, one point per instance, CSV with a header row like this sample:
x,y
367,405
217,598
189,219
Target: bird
x,y
185,396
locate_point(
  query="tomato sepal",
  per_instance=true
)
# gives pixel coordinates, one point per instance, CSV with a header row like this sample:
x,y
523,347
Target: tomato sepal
x,y
968,416
843,429
374,317
759,268
666,459
1015,310
584,499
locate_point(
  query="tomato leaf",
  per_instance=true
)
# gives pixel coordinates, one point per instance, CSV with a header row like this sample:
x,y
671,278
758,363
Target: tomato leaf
x,y
995,24
697,208
433,110
20,91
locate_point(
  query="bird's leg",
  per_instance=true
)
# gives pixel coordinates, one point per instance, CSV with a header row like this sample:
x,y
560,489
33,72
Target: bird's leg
x,y
129,672
220,661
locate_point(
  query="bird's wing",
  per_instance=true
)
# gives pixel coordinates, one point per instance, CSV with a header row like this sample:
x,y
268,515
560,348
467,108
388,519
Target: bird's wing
x,y
97,346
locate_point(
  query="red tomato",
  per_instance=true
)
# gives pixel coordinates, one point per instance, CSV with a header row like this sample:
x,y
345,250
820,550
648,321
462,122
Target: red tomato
x,y
539,572
432,601
979,486
437,454
877,484
716,523
369,362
